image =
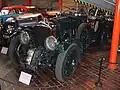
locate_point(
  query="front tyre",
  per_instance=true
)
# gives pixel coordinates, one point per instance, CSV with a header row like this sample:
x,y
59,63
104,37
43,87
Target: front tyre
x,y
12,49
16,51
66,63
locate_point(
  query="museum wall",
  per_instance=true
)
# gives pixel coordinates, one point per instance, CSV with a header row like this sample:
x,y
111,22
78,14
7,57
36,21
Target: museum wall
x,y
69,3
44,3
16,2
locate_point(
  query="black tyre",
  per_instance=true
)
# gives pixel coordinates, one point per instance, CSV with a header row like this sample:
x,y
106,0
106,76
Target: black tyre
x,y
66,63
13,53
83,35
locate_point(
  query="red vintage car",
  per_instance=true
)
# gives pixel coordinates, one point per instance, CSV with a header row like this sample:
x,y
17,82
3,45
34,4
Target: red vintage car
x,y
35,9
15,9
11,11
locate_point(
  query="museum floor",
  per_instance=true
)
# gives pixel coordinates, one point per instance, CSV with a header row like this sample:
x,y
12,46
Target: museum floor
x,y
84,78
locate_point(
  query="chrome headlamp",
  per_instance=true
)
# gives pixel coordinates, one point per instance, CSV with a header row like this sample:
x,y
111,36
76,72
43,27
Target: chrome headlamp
x,y
25,37
51,43
10,22
10,29
77,14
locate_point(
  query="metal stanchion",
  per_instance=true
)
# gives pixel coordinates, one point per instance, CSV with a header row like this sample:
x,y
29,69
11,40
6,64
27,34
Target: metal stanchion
x,y
99,83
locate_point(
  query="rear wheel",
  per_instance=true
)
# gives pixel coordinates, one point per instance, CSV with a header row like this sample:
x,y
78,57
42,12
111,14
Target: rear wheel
x,y
66,63
83,35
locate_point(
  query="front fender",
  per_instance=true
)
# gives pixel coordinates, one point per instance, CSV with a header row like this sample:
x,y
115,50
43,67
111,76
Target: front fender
x,y
15,34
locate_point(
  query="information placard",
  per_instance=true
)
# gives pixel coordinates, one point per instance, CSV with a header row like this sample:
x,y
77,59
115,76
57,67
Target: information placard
x,y
4,50
25,78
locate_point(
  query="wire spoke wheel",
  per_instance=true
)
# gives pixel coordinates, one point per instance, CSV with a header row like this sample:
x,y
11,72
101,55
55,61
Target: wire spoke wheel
x,y
66,63
69,65
84,38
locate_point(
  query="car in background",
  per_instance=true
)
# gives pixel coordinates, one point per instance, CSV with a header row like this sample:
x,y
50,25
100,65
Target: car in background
x,y
13,11
45,12
53,13
35,9
49,44
10,27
